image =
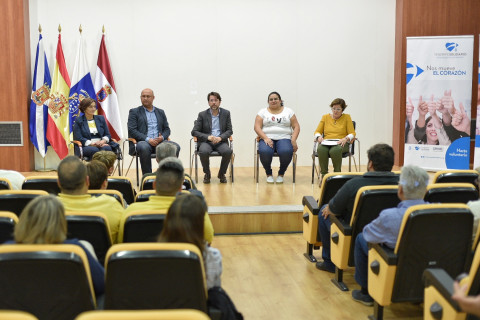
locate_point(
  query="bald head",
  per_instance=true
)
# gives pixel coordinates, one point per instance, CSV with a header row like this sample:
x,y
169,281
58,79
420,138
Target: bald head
x,y
147,97
72,175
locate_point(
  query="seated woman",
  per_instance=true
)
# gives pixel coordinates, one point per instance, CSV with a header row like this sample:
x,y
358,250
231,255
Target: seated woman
x,y
91,130
185,223
43,222
334,126
278,129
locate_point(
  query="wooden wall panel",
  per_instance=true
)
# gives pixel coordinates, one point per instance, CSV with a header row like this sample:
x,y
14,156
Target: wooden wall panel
x,y
429,18
14,80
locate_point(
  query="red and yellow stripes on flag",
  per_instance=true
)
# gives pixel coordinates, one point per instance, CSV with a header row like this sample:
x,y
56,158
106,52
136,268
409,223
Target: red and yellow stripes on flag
x,y
58,131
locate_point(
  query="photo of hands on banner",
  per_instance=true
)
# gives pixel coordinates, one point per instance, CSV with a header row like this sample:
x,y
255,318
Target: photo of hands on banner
x,y
435,120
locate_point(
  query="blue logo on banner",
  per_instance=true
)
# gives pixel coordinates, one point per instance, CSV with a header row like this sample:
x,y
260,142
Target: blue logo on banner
x,y
458,154
413,71
451,46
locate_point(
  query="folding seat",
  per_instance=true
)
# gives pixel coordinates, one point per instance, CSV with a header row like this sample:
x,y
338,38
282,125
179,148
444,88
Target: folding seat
x,y
432,235
350,154
46,183
92,227
144,195
256,164
109,192
439,290
194,145
451,175
8,220
5,184
332,182
124,185
180,314
16,315
451,192
48,281
16,200
155,276
141,226
147,183
369,202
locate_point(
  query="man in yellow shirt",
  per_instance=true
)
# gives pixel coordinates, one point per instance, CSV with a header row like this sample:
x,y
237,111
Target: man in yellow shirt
x,y
73,182
168,183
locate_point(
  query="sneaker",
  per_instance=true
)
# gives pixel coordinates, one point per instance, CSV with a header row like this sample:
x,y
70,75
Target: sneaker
x,y
270,179
206,179
279,179
361,297
322,265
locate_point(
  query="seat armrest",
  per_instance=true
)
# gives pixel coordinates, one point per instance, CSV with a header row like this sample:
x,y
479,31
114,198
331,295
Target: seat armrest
x,y
78,143
442,282
345,228
311,204
132,140
387,254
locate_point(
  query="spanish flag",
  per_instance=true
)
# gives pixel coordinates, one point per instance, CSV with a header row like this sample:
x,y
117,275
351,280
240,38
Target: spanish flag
x,y
58,129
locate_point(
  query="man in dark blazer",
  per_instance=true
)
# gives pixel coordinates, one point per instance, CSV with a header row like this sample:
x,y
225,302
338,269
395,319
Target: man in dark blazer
x,y
212,128
149,126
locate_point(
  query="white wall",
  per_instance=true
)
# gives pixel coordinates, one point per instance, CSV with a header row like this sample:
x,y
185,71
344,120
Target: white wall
x,y
310,51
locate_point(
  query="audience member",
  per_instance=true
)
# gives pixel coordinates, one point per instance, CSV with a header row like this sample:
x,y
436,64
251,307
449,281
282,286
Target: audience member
x,y
149,126
15,178
468,304
168,182
384,229
43,222
213,127
108,158
380,163
97,175
73,182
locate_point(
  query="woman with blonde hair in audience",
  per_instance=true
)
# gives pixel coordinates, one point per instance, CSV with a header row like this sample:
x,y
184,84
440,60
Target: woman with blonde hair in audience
x,y
43,222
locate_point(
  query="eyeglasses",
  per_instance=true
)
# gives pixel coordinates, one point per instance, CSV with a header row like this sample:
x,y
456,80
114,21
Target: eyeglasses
x,y
272,99
337,109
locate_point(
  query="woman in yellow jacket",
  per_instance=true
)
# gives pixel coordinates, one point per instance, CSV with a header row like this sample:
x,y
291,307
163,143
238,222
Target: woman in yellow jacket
x,y
334,134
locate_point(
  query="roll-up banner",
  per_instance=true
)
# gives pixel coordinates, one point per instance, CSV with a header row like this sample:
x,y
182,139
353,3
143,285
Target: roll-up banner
x,y
476,159
438,106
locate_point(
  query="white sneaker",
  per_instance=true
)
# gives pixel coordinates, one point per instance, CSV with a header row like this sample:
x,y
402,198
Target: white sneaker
x,y
279,179
270,179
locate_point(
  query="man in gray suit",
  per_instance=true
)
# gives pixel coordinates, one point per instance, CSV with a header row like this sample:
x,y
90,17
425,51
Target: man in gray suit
x,y
213,127
149,126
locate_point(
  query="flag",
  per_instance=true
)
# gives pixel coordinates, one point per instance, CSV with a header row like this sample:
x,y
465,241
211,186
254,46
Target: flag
x,y
107,102
82,84
58,132
38,105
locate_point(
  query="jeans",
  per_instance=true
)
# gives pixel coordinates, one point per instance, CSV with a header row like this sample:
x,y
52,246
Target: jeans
x,y
145,151
324,226
284,150
361,261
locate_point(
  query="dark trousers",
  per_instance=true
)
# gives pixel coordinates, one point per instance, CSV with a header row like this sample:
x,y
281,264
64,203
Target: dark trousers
x,y
204,152
145,151
361,261
324,226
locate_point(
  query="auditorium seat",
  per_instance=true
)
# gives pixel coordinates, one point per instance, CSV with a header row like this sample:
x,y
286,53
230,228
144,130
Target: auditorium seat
x,y
451,192
112,193
46,183
180,314
141,226
5,184
144,195
8,220
124,185
16,200
451,175
16,315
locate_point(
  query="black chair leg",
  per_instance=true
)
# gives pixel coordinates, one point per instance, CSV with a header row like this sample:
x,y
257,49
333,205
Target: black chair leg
x,y
377,312
338,280
309,253
136,161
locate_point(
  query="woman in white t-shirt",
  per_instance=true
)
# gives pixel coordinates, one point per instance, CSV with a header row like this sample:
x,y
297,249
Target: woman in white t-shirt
x,y
278,129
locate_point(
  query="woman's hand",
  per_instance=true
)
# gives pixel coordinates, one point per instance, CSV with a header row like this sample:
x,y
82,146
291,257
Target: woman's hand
x,y
268,142
319,139
342,141
294,145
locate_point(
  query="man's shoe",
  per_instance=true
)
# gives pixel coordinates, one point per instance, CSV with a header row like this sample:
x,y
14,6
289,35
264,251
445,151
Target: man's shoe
x,y
322,265
270,179
206,179
361,297
222,178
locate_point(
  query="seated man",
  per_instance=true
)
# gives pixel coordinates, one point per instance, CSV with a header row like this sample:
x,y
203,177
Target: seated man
x,y
73,182
108,158
168,183
97,175
213,127
149,126
384,229
380,163
165,150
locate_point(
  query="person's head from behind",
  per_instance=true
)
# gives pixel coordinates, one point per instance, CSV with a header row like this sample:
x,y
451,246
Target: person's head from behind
x,y
107,157
185,221
72,176
380,157
169,178
413,182
165,150
97,175
42,221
